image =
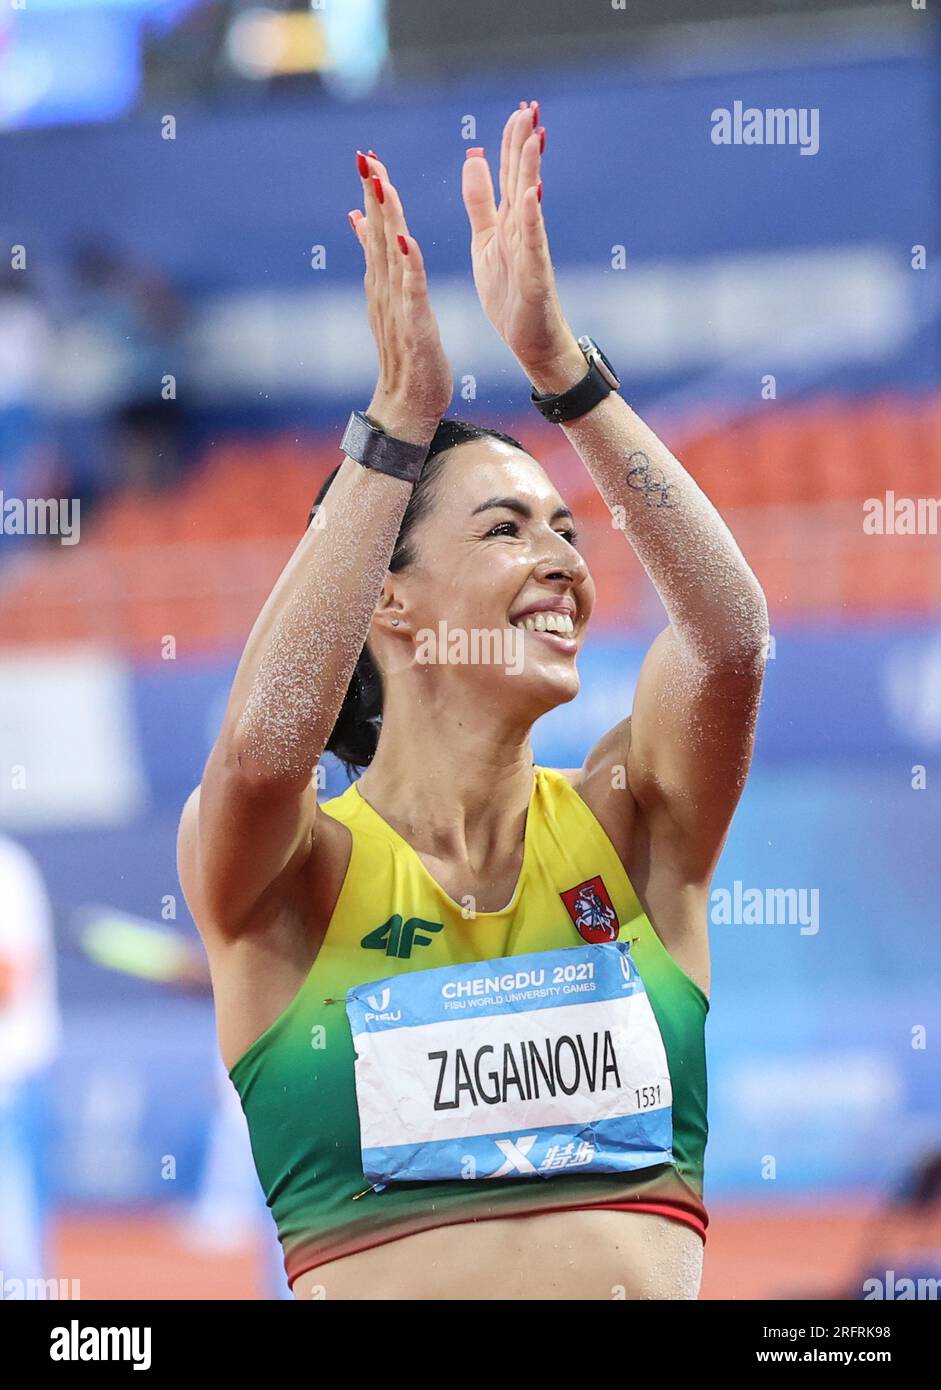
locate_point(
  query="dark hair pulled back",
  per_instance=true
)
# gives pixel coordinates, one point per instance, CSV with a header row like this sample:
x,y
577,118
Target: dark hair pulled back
x,y
356,731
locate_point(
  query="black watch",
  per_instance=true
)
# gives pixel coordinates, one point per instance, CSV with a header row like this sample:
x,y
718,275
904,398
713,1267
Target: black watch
x,y
600,381
370,446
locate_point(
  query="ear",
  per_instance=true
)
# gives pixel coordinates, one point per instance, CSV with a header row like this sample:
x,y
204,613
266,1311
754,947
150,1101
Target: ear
x,y
391,615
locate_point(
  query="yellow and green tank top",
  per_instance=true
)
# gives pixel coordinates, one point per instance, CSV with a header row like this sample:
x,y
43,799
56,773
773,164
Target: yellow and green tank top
x,y
296,1081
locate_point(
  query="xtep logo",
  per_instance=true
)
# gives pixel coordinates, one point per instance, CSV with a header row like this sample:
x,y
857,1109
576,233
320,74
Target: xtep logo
x,y
397,938
514,1153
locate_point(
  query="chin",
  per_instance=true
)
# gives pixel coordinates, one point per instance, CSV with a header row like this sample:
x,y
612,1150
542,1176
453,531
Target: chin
x,y
544,689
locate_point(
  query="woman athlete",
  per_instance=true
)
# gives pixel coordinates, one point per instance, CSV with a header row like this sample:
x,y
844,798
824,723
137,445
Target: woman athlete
x,y
463,1003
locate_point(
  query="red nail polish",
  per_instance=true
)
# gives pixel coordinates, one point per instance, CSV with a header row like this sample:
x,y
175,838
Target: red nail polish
x,y
362,164
403,245
477,150
373,153
535,114
539,191
377,188
542,138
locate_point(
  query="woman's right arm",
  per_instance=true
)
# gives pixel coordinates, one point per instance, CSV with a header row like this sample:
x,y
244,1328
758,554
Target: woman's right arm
x,y
254,813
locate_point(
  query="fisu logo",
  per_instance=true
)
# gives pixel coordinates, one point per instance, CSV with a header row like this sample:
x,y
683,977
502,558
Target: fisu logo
x,y
379,1011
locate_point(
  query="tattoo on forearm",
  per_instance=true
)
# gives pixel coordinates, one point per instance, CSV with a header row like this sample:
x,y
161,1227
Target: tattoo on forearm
x,y
645,477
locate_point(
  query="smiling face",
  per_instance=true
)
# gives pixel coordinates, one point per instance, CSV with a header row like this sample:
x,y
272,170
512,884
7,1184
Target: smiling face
x,y
496,553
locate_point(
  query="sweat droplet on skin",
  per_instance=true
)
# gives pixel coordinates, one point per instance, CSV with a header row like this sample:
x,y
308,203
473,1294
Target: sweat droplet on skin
x,y
686,547
308,659
712,599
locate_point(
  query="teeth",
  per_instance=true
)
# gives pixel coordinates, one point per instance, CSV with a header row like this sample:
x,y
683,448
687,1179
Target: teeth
x,y
548,622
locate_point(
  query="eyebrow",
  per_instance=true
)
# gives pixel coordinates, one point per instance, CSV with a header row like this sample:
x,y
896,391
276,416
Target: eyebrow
x,y
513,504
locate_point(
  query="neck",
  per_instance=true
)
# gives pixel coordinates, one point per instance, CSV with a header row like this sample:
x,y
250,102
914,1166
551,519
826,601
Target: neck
x,y
454,782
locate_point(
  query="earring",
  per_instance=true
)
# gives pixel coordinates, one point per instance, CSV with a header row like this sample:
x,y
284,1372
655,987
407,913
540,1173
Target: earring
x,y
395,622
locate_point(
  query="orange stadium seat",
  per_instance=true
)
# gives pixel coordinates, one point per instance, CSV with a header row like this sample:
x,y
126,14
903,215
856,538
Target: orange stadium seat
x,y
822,453
197,561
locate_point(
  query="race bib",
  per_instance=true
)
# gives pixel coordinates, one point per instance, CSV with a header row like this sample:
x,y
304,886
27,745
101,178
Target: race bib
x,y
526,1066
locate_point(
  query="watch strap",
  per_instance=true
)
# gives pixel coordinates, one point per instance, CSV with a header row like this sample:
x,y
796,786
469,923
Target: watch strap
x,y
371,447
577,400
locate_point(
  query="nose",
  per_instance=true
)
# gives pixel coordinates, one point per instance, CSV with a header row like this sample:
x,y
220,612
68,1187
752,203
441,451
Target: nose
x,y
561,562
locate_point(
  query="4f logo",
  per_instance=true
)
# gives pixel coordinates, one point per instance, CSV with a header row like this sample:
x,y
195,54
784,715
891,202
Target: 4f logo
x,y
397,938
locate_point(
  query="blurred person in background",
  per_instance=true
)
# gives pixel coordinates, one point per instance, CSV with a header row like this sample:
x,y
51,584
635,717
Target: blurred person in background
x,y
901,1257
25,340
303,906
133,320
29,1039
230,1204
228,1211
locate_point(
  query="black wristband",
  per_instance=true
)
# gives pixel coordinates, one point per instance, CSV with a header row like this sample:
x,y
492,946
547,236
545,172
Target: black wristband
x,y
576,401
371,447
599,381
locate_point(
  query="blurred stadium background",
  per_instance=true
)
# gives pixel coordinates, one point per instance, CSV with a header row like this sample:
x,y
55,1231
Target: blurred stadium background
x,y
182,336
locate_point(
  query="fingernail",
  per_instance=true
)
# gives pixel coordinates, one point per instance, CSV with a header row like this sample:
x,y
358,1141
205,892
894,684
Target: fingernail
x,y
477,150
535,106
352,216
377,188
362,164
403,245
539,191
373,153
522,105
542,138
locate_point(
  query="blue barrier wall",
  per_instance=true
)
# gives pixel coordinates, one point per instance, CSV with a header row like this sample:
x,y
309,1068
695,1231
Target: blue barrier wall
x,y
776,242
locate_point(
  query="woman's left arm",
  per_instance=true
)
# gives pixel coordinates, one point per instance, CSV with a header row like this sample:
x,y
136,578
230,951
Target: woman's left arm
x,y
687,746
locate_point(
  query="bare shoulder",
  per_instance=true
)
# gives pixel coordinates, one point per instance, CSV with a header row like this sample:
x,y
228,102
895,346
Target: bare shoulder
x,y
310,879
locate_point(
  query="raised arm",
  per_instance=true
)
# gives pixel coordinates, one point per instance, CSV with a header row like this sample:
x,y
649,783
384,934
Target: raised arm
x,y
254,815
687,747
